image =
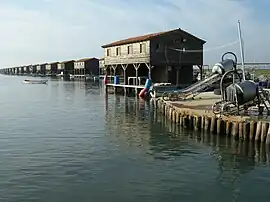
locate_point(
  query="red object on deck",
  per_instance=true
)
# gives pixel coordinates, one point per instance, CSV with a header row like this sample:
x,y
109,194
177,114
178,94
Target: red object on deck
x,y
142,93
105,79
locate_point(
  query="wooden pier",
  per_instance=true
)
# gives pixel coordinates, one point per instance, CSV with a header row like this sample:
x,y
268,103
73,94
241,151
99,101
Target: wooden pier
x,y
197,115
124,89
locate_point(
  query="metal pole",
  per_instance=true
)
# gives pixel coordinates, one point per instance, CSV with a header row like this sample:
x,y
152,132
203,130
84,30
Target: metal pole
x,y
241,50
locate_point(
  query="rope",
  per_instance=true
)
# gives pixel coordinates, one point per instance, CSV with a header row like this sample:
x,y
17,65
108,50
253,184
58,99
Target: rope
x,y
203,50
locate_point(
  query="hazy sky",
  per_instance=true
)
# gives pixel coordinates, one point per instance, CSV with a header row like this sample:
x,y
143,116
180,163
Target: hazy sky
x,y
37,31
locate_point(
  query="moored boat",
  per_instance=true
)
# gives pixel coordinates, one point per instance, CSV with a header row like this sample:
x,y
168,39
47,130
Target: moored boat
x,y
91,78
28,81
158,89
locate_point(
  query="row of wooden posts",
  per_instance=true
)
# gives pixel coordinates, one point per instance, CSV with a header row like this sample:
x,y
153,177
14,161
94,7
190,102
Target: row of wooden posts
x,y
239,129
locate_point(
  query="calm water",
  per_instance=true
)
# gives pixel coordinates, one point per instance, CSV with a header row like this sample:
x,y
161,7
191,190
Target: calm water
x,y
67,141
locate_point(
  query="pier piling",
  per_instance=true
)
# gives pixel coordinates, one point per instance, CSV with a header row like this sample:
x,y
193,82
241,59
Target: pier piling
x,y
237,127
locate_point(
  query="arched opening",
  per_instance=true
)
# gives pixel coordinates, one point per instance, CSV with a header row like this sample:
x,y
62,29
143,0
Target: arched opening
x,y
143,74
143,71
119,70
130,72
120,73
109,70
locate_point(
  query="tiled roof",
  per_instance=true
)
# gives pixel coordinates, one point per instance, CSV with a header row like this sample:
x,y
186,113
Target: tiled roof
x,y
52,63
84,59
67,61
145,38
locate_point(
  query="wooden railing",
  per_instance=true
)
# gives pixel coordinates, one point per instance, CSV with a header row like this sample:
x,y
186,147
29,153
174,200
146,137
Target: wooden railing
x,y
130,80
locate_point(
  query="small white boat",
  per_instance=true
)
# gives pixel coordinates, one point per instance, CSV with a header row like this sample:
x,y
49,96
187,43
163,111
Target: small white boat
x,y
28,81
91,78
158,89
71,76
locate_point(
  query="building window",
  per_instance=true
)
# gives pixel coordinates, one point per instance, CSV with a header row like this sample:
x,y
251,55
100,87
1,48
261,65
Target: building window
x,y
182,40
157,46
142,47
118,50
108,52
129,49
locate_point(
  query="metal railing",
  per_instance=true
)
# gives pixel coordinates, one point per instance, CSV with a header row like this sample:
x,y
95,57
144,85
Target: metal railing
x,y
130,80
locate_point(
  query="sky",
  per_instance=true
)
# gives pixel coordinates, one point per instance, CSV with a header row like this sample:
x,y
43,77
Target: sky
x,y
40,31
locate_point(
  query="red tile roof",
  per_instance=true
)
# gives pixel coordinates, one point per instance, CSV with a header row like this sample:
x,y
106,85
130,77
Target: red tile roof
x,y
51,63
145,38
84,59
63,62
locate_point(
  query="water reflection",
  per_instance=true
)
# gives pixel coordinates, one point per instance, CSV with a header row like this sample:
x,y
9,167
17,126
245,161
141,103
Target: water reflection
x,y
121,151
139,126
251,151
129,118
235,160
137,114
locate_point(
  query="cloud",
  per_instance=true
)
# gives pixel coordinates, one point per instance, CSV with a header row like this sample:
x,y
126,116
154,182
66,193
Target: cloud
x,y
55,30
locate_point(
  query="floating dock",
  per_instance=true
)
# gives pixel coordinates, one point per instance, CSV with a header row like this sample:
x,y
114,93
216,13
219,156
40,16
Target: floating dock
x,y
197,114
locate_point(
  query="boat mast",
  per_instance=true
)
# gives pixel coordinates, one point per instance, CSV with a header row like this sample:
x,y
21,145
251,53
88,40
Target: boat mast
x,y
241,50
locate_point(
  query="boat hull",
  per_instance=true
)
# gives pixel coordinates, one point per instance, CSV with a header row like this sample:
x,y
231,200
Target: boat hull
x,y
158,89
35,81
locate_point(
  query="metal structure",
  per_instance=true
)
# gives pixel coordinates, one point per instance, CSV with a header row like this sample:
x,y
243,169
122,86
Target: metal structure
x,y
240,96
236,96
218,70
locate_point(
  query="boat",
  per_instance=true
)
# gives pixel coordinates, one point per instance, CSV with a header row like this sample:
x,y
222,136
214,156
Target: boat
x,y
91,78
158,89
28,81
72,77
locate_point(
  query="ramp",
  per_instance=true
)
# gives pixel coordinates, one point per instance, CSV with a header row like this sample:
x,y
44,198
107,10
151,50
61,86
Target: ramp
x,y
192,90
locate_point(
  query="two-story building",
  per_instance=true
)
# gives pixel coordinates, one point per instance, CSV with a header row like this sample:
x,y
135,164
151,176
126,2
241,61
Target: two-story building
x,y
101,66
43,68
28,69
164,57
86,66
22,70
67,67
34,69
38,67
52,68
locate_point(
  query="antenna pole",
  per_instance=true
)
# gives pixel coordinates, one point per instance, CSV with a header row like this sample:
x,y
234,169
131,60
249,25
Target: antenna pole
x,y
241,50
